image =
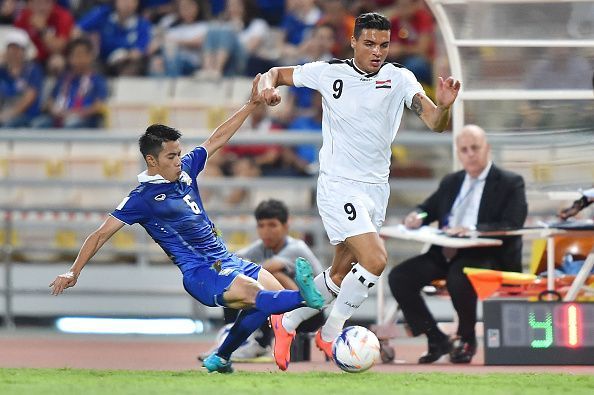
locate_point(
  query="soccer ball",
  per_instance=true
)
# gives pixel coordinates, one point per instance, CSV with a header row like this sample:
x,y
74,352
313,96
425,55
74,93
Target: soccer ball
x,y
356,349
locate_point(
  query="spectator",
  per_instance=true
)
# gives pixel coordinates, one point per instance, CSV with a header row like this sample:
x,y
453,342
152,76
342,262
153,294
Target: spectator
x,y
336,14
21,83
481,196
306,155
230,43
318,47
271,11
78,98
248,160
178,42
412,41
9,9
299,20
124,36
49,26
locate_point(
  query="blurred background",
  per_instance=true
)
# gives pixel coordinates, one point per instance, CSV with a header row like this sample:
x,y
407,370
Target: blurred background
x,y
80,80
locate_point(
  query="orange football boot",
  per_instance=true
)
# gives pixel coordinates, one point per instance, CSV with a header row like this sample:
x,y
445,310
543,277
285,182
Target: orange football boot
x,y
282,342
324,346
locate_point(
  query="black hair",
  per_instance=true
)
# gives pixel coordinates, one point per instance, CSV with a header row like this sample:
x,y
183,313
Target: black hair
x,y
151,142
272,209
371,20
79,42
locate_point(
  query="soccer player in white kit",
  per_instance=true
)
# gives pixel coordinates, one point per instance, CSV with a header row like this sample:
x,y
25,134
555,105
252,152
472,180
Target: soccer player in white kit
x,y
362,100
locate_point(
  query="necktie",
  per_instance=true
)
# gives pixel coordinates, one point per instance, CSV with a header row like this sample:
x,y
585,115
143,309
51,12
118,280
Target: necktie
x,y
459,210
462,205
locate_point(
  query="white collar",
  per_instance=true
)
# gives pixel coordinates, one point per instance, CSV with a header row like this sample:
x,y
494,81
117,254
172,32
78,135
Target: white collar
x,y
484,173
156,179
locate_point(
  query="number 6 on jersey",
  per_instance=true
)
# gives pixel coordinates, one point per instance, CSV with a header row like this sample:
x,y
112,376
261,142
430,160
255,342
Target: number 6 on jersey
x,y
193,205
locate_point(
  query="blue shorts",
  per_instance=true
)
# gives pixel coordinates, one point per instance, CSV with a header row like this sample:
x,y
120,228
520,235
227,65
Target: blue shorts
x,y
207,284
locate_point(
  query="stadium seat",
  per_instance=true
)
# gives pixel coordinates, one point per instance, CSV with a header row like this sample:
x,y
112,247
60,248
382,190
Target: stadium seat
x,y
137,101
44,197
42,160
197,91
141,90
240,90
294,198
98,161
4,154
104,198
199,104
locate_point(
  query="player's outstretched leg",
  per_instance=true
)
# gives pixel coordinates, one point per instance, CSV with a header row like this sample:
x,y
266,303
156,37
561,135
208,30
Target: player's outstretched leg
x,y
271,302
246,323
322,345
304,279
282,342
285,325
214,363
353,291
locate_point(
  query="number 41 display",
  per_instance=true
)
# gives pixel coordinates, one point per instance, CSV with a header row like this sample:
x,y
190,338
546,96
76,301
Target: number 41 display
x,y
544,326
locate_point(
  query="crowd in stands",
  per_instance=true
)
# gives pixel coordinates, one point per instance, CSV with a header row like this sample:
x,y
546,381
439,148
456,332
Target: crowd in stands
x,y
58,55
81,43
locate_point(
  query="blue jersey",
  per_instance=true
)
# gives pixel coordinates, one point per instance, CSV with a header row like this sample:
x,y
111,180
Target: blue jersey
x,y
173,215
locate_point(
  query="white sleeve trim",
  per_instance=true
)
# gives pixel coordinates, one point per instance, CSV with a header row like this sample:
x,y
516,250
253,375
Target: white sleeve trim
x,y
122,221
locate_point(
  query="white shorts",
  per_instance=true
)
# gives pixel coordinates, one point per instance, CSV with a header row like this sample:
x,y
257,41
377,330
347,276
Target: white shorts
x,y
349,208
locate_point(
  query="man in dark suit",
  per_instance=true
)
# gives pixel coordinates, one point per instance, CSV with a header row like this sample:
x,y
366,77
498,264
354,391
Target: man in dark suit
x,y
480,197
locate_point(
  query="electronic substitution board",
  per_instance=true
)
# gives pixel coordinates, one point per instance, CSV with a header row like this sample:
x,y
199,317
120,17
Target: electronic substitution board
x,y
538,333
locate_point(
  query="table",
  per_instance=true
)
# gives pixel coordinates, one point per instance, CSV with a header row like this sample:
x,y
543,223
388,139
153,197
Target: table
x,y
430,235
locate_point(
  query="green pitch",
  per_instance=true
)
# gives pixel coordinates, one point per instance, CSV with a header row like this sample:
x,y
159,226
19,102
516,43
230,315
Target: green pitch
x,y
89,382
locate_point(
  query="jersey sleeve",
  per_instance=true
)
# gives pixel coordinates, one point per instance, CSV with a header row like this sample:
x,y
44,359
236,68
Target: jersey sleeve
x,y
308,75
131,210
411,86
194,161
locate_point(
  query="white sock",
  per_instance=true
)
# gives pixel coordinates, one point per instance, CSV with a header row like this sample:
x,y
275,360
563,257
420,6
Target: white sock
x,y
292,319
353,291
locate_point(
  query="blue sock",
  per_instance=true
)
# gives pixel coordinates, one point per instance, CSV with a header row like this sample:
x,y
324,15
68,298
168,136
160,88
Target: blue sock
x,y
275,302
246,323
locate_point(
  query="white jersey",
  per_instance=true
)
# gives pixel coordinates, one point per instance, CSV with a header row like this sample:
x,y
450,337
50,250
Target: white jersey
x,y
361,115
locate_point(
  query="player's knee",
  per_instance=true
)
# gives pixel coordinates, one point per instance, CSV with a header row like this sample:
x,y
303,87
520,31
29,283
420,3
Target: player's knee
x,y
376,262
245,291
251,291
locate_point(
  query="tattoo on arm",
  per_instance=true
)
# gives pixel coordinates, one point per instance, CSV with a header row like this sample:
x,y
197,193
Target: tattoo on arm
x,y
416,106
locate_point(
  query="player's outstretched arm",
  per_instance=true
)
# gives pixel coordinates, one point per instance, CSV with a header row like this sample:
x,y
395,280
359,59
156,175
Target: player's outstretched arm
x,y
89,248
227,129
274,77
437,116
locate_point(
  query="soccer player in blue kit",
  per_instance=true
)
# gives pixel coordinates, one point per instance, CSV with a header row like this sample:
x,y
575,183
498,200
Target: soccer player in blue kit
x,y
167,204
